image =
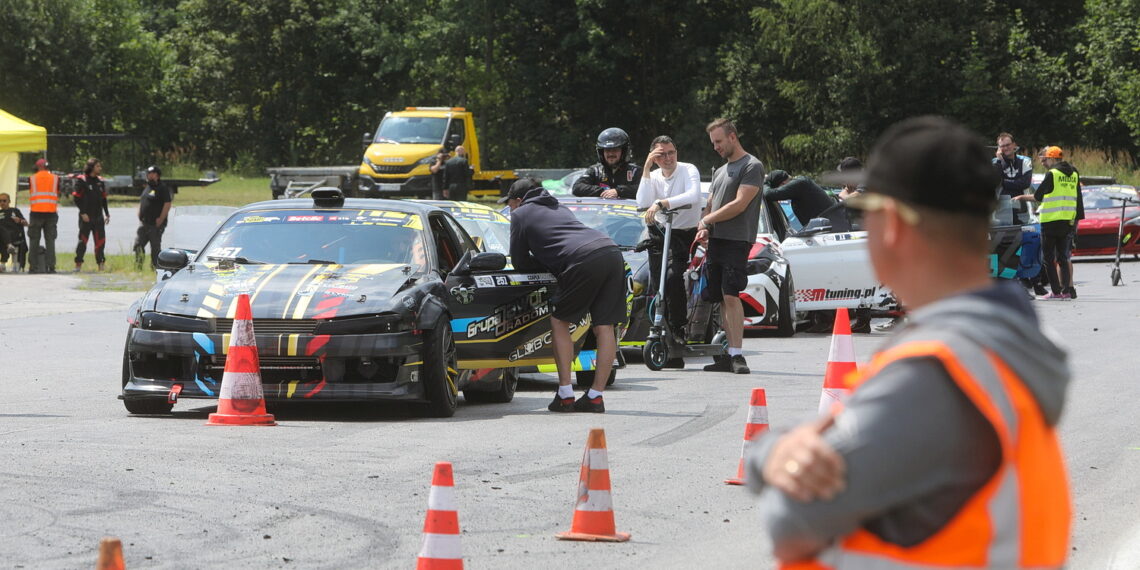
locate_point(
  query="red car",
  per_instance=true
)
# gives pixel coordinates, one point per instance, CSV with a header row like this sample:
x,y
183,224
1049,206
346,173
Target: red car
x,y
1097,233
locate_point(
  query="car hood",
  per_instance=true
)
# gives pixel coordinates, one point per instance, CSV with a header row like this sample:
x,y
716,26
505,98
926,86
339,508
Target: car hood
x,y
280,291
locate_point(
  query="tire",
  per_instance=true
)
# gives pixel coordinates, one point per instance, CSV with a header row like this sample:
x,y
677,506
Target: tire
x,y
503,394
585,378
786,313
439,371
143,406
655,353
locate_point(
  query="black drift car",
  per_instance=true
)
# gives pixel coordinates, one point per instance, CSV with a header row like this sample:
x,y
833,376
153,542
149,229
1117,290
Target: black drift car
x,y
351,300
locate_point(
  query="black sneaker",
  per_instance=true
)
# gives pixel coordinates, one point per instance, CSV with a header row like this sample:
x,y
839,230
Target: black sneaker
x,y
561,404
674,363
1039,289
587,404
720,363
738,365
1072,291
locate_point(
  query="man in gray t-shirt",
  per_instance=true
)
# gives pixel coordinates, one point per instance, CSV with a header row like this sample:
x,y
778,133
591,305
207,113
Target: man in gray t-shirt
x,y
728,225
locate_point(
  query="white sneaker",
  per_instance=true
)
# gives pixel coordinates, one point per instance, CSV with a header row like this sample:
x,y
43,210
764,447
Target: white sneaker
x,y
889,325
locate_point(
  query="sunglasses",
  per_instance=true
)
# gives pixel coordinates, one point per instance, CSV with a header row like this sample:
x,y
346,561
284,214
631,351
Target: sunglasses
x,y
873,202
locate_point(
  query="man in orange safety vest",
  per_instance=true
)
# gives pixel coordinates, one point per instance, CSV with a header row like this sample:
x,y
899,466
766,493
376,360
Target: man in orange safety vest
x,y
43,196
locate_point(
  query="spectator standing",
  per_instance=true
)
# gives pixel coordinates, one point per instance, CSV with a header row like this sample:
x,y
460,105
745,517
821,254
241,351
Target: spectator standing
x,y
12,243
863,487
615,176
672,185
153,212
728,224
457,176
545,236
1016,173
1061,206
90,196
807,198
43,198
436,169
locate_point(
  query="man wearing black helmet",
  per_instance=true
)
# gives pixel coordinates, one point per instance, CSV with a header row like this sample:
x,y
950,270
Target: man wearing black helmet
x,y
615,176
154,207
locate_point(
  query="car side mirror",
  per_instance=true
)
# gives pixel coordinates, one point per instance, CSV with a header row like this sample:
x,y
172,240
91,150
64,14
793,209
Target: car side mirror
x,y
482,261
816,226
172,259
366,140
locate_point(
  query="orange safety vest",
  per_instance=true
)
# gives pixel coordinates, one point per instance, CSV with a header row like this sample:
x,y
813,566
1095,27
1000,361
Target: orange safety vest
x,y
1019,519
43,192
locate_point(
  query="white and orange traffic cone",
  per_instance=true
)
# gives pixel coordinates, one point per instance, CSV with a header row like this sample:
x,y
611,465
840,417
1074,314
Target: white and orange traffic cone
x,y
441,549
110,555
240,400
840,363
594,513
757,424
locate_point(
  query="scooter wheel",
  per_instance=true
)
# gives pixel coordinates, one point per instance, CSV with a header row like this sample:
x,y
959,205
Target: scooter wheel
x,y
1116,277
655,353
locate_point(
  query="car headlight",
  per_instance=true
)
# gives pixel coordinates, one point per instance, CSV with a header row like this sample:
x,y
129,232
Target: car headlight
x,y
371,324
758,266
151,320
426,160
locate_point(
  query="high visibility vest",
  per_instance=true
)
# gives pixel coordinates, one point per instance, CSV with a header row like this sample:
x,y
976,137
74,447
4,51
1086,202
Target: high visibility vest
x,y
1061,203
43,192
1019,519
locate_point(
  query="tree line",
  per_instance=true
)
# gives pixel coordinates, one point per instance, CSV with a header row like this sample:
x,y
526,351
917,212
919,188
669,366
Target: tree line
x,y
245,84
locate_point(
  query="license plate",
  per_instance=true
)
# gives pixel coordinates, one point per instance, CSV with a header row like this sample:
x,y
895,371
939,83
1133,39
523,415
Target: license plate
x,y
388,187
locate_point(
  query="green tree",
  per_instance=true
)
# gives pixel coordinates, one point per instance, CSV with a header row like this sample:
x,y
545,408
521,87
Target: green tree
x,y
1107,89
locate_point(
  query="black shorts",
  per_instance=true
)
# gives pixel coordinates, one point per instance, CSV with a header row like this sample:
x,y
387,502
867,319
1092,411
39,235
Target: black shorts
x,y
595,285
728,265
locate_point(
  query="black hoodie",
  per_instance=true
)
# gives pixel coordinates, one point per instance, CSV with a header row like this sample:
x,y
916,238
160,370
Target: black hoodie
x,y
545,235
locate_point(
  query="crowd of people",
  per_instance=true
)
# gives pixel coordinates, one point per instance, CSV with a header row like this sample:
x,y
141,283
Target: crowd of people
x,y
89,195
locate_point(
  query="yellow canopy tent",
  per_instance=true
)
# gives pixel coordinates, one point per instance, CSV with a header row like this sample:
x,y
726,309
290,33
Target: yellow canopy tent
x,y
16,136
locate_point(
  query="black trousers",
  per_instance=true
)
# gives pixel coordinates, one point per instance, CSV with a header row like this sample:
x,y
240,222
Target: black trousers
x,y
148,235
1056,243
676,306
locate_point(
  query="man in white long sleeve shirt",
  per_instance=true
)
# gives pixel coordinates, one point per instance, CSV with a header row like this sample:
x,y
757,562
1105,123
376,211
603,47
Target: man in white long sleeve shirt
x,y
671,185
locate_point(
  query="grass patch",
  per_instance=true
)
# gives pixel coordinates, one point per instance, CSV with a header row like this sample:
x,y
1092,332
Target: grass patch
x,y
121,273
1097,163
229,191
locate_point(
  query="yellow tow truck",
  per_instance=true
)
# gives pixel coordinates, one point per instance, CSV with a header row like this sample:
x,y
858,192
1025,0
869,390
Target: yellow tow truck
x,y
398,157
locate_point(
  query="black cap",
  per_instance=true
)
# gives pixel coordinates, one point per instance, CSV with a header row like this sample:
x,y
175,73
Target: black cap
x,y
934,163
520,188
155,169
776,178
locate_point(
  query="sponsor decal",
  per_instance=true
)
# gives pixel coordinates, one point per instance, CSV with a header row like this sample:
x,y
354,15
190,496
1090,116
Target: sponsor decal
x,y
502,281
305,219
484,281
463,294
258,219
545,339
809,295
513,316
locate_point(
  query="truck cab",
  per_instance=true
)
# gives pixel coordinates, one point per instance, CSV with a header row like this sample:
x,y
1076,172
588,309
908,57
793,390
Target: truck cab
x,y
399,154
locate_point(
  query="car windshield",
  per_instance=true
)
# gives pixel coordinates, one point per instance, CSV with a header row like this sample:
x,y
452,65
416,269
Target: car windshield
x,y
1099,198
411,130
345,237
489,228
619,220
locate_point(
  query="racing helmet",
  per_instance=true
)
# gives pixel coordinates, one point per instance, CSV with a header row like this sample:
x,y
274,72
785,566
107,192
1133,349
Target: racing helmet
x,y
614,137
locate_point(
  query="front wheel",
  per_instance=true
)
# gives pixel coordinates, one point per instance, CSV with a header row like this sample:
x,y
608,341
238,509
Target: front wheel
x,y
439,371
655,353
503,394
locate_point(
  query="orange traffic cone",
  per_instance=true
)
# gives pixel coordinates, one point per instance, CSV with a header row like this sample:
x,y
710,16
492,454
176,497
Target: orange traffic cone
x,y
594,513
110,555
441,549
240,400
757,424
840,363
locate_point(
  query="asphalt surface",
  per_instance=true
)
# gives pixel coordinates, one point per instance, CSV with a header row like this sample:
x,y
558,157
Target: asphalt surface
x,y
347,486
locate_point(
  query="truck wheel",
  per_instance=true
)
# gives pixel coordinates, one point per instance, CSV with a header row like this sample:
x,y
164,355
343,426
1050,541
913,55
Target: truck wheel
x,y
439,371
786,314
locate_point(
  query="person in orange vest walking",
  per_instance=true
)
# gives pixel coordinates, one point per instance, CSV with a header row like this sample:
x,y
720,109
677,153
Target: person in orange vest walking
x,y
43,195
946,455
